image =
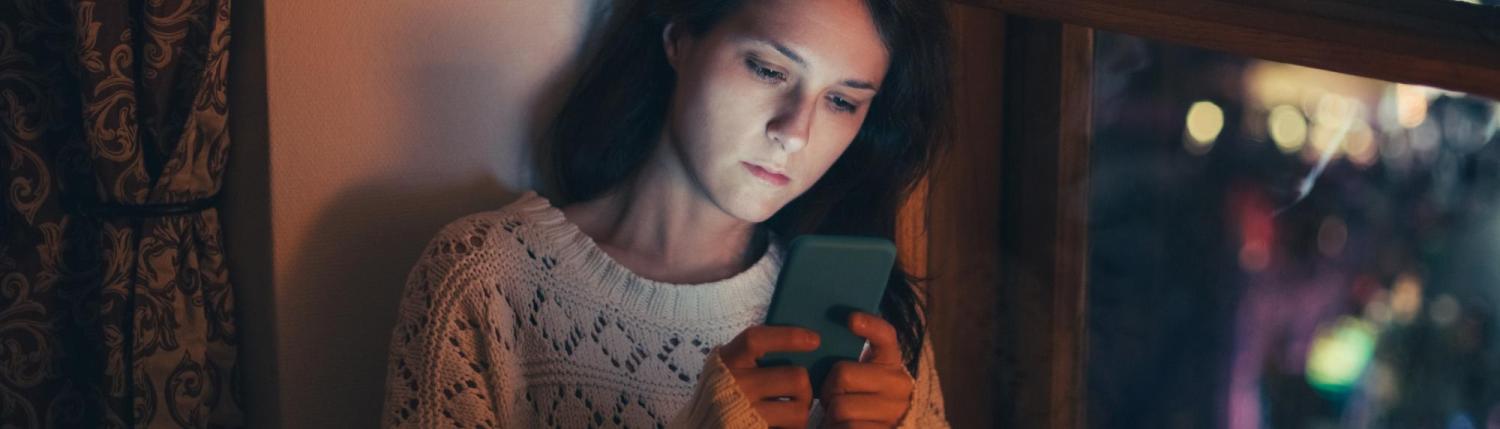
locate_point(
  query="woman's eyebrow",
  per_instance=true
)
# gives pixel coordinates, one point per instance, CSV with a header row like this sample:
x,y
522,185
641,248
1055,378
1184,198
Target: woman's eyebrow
x,y
792,55
859,84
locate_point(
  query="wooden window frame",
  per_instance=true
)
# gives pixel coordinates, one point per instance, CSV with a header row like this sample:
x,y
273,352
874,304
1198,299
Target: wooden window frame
x,y
1005,237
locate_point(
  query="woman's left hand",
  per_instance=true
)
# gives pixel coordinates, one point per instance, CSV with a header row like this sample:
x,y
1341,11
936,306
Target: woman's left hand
x,y
872,393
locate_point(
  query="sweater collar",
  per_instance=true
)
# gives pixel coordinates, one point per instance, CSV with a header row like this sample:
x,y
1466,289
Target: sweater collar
x,y
579,255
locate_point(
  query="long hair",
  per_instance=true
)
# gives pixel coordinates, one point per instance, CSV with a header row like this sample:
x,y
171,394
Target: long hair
x,y
609,123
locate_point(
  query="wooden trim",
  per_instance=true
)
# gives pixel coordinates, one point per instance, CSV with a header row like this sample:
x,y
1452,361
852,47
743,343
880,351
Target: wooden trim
x,y
963,214
1070,257
1447,44
1043,211
911,232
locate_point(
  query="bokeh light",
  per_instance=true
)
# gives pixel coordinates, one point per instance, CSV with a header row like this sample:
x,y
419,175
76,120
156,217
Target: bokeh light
x,y
1378,309
1411,105
1406,298
1359,146
1205,120
1288,128
1339,355
1335,109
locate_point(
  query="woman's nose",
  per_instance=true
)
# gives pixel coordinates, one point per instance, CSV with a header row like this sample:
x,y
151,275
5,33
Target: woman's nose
x,y
793,124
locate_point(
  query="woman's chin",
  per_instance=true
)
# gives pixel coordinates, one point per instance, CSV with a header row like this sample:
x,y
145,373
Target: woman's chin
x,y
752,207
752,214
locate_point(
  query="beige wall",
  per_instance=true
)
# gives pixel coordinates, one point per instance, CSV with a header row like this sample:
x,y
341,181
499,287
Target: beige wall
x,y
359,129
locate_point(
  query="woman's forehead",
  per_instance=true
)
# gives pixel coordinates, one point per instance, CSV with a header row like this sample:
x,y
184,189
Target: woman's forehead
x,y
836,35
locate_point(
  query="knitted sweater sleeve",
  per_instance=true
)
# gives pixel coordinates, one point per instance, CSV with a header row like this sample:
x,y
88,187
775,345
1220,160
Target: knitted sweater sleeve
x,y
452,360
718,402
926,409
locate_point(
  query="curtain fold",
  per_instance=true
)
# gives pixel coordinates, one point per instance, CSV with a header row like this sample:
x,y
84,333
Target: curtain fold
x,y
115,303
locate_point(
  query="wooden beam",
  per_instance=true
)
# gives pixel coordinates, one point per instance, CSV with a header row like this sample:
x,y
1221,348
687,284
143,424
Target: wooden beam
x,y
1446,44
1044,250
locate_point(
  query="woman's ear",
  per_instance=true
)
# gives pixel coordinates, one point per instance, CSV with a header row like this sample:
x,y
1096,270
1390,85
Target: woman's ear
x,y
674,43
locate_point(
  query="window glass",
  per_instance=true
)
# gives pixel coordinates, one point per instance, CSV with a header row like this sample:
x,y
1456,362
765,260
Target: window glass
x,y
1281,246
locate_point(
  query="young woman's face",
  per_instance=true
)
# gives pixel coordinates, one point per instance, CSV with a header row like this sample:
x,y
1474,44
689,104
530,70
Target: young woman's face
x,y
769,99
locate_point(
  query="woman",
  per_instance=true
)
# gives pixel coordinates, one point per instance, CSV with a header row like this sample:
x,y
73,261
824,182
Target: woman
x,y
702,137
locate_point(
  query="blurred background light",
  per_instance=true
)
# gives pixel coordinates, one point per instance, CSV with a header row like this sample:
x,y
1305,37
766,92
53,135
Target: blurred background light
x,y
1349,299
1334,108
1411,105
1378,309
1406,298
1360,145
1204,122
1339,355
1288,128
1254,257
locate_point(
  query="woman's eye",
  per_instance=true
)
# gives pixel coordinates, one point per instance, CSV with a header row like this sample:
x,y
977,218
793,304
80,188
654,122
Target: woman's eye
x,y
842,105
763,72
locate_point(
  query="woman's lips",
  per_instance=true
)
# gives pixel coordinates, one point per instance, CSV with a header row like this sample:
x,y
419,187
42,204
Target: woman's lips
x,y
766,175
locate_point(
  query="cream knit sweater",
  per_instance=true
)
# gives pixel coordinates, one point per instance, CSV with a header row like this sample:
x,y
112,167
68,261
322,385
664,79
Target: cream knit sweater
x,y
514,318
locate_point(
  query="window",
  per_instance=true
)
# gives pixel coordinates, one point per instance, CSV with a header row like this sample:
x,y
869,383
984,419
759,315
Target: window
x,y
1131,176
1280,246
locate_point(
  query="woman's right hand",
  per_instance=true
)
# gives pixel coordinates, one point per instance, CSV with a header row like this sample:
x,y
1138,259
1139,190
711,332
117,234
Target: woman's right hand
x,y
769,389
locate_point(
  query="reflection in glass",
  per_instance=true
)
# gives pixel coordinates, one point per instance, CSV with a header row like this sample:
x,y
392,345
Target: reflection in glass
x,y
1280,246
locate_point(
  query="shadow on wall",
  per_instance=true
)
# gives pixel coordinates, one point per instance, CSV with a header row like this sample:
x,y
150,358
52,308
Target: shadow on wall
x,y
360,305
360,262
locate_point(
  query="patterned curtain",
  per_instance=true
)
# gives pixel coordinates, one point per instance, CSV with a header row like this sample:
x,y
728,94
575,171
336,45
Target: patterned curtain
x,y
115,303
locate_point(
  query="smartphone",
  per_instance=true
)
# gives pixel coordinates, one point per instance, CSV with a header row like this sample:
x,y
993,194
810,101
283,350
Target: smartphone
x,y
824,279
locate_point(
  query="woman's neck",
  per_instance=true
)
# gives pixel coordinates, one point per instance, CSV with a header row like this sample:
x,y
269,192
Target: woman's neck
x,y
664,229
